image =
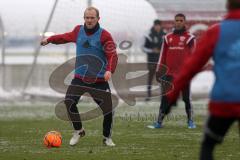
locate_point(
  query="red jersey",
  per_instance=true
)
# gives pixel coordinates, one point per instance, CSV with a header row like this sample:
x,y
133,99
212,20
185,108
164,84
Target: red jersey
x,y
176,49
205,49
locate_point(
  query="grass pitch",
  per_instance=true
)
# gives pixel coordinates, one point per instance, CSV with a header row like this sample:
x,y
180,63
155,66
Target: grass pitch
x,y
22,129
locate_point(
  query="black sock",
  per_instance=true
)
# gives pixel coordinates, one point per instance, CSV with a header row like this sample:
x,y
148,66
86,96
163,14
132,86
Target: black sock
x,y
207,148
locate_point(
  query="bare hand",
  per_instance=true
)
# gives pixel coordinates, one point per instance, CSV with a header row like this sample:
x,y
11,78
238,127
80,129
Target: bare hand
x,y
44,42
107,75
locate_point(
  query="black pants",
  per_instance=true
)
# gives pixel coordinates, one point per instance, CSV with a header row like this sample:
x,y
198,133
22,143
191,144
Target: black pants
x,y
215,130
151,72
73,96
185,97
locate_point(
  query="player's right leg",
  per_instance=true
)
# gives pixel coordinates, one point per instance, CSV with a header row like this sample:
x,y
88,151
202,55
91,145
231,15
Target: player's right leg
x,y
161,114
71,100
163,105
215,130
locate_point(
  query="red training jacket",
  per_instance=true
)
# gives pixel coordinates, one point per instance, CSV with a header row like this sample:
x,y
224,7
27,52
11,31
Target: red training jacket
x,y
203,52
176,48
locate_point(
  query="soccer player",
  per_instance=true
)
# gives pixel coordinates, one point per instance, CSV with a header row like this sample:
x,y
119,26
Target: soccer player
x,y
222,43
177,47
152,47
96,61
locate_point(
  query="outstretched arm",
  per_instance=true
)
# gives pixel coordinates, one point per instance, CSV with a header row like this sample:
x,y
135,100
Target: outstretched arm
x,y
62,38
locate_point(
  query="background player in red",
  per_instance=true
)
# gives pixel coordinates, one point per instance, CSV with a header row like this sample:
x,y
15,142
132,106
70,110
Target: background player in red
x,y
177,47
222,43
96,61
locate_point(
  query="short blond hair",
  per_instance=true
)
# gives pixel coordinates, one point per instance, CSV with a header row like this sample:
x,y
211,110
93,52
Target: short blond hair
x,y
92,8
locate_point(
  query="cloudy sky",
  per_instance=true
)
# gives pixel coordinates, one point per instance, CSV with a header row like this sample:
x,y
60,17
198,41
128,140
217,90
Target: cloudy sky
x,y
20,14
28,17
23,17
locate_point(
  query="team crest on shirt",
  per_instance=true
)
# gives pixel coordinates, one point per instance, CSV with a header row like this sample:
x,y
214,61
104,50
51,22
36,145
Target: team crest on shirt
x,y
182,38
170,40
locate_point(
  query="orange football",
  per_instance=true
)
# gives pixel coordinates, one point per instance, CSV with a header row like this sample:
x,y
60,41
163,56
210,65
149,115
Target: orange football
x,y
52,139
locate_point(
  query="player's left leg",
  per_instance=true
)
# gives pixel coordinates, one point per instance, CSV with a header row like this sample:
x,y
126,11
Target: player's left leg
x,y
215,130
105,103
163,105
188,107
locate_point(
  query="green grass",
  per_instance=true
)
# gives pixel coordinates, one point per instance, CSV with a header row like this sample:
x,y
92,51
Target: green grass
x,y
21,139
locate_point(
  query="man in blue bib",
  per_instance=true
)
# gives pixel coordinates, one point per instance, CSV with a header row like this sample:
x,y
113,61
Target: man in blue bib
x,y
95,62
